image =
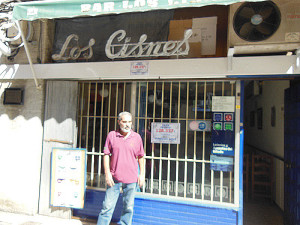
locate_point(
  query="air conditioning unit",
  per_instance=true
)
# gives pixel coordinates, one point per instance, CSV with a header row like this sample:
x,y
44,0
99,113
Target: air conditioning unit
x,y
264,27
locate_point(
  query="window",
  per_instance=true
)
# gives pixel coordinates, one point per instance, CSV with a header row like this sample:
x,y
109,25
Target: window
x,y
175,170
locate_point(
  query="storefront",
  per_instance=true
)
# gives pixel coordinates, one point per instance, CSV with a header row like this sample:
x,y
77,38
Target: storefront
x,y
191,139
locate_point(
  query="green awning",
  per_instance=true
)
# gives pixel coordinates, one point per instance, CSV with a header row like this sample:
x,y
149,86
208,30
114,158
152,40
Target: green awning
x,y
50,9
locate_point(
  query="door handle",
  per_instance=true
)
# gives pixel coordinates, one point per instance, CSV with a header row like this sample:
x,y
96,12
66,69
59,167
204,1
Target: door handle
x,y
288,165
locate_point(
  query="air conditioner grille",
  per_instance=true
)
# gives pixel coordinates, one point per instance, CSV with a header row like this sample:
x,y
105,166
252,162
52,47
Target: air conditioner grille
x,y
256,21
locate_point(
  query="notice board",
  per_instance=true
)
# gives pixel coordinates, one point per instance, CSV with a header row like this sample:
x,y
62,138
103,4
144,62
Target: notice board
x,y
68,177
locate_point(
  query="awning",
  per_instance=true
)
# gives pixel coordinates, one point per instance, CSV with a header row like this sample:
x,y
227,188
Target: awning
x,y
50,9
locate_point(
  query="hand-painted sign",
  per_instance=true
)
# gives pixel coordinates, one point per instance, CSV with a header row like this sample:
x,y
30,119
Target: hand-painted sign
x,y
74,50
165,133
143,49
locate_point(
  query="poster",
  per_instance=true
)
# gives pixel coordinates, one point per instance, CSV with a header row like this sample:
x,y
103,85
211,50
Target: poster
x,y
165,133
223,103
223,134
206,29
68,177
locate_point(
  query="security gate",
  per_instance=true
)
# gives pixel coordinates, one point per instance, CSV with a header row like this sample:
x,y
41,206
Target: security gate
x,y
181,170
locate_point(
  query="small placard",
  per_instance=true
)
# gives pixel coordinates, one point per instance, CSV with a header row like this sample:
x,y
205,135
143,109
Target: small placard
x,y
200,125
165,133
219,163
139,68
223,103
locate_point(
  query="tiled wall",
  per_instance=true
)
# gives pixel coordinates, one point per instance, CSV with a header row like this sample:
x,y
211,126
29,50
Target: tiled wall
x,y
152,212
159,212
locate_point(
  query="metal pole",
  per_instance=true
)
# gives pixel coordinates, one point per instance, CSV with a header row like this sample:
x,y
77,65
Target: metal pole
x,y
38,86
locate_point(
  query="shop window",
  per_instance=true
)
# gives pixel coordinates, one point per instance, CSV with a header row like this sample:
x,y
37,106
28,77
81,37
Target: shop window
x,y
179,170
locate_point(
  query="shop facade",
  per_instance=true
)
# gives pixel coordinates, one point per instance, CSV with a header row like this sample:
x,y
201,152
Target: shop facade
x,y
189,113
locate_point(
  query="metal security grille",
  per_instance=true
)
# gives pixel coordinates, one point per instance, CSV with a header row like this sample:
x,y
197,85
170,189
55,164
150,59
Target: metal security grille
x,y
176,170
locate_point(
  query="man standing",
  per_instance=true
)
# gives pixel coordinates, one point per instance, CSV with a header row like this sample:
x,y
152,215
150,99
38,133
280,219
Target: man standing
x,y
123,151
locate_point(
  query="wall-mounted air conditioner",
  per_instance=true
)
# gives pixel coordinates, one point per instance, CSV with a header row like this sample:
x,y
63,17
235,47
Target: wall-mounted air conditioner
x,y
263,27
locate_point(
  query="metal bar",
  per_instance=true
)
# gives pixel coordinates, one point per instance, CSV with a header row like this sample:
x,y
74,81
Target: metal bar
x,y
88,118
138,114
87,123
81,112
28,54
160,150
177,151
230,173
101,133
101,117
195,142
180,160
169,145
94,125
203,145
146,127
212,171
237,144
132,102
152,160
108,112
124,96
221,186
116,105
186,136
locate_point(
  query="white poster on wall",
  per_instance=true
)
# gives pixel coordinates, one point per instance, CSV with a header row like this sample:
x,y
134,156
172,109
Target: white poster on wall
x,y
207,28
165,133
223,103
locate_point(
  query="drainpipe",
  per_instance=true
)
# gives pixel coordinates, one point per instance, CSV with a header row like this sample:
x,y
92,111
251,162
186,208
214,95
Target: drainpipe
x,y
38,86
230,54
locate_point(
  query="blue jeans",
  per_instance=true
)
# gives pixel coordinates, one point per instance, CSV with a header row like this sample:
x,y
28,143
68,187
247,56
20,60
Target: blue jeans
x,y
110,200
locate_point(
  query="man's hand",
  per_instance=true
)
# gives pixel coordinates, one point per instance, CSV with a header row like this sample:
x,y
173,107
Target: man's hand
x,y
109,179
141,180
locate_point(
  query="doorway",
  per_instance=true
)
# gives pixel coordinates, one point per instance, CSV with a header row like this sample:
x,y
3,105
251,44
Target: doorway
x,y
264,139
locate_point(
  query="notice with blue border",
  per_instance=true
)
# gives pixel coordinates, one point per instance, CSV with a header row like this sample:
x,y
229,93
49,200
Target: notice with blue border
x,y
68,177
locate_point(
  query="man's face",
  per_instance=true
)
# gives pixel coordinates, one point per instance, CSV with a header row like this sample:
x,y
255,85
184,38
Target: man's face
x,y
125,123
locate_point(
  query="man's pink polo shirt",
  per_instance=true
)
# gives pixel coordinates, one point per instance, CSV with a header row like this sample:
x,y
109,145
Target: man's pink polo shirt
x,y
124,153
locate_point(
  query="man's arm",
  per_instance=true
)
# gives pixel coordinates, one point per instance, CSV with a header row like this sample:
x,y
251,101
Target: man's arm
x,y
141,179
108,177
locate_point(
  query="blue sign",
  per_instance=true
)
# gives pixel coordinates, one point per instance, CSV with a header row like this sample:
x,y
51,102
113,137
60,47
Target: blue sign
x,y
219,163
223,140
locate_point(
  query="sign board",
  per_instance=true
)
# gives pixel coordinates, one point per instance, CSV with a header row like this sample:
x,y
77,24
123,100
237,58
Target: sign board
x,y
223,103
223,134
139,68
219,163
68,177
165,133
200,125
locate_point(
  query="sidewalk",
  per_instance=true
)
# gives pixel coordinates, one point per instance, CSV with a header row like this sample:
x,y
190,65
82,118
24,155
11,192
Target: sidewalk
x,y
7,218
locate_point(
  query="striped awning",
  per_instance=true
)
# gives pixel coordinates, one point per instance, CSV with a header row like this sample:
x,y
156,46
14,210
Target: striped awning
x,y
51,9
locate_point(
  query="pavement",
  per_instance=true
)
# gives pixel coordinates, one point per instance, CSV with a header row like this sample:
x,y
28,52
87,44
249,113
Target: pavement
x,y
7,218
